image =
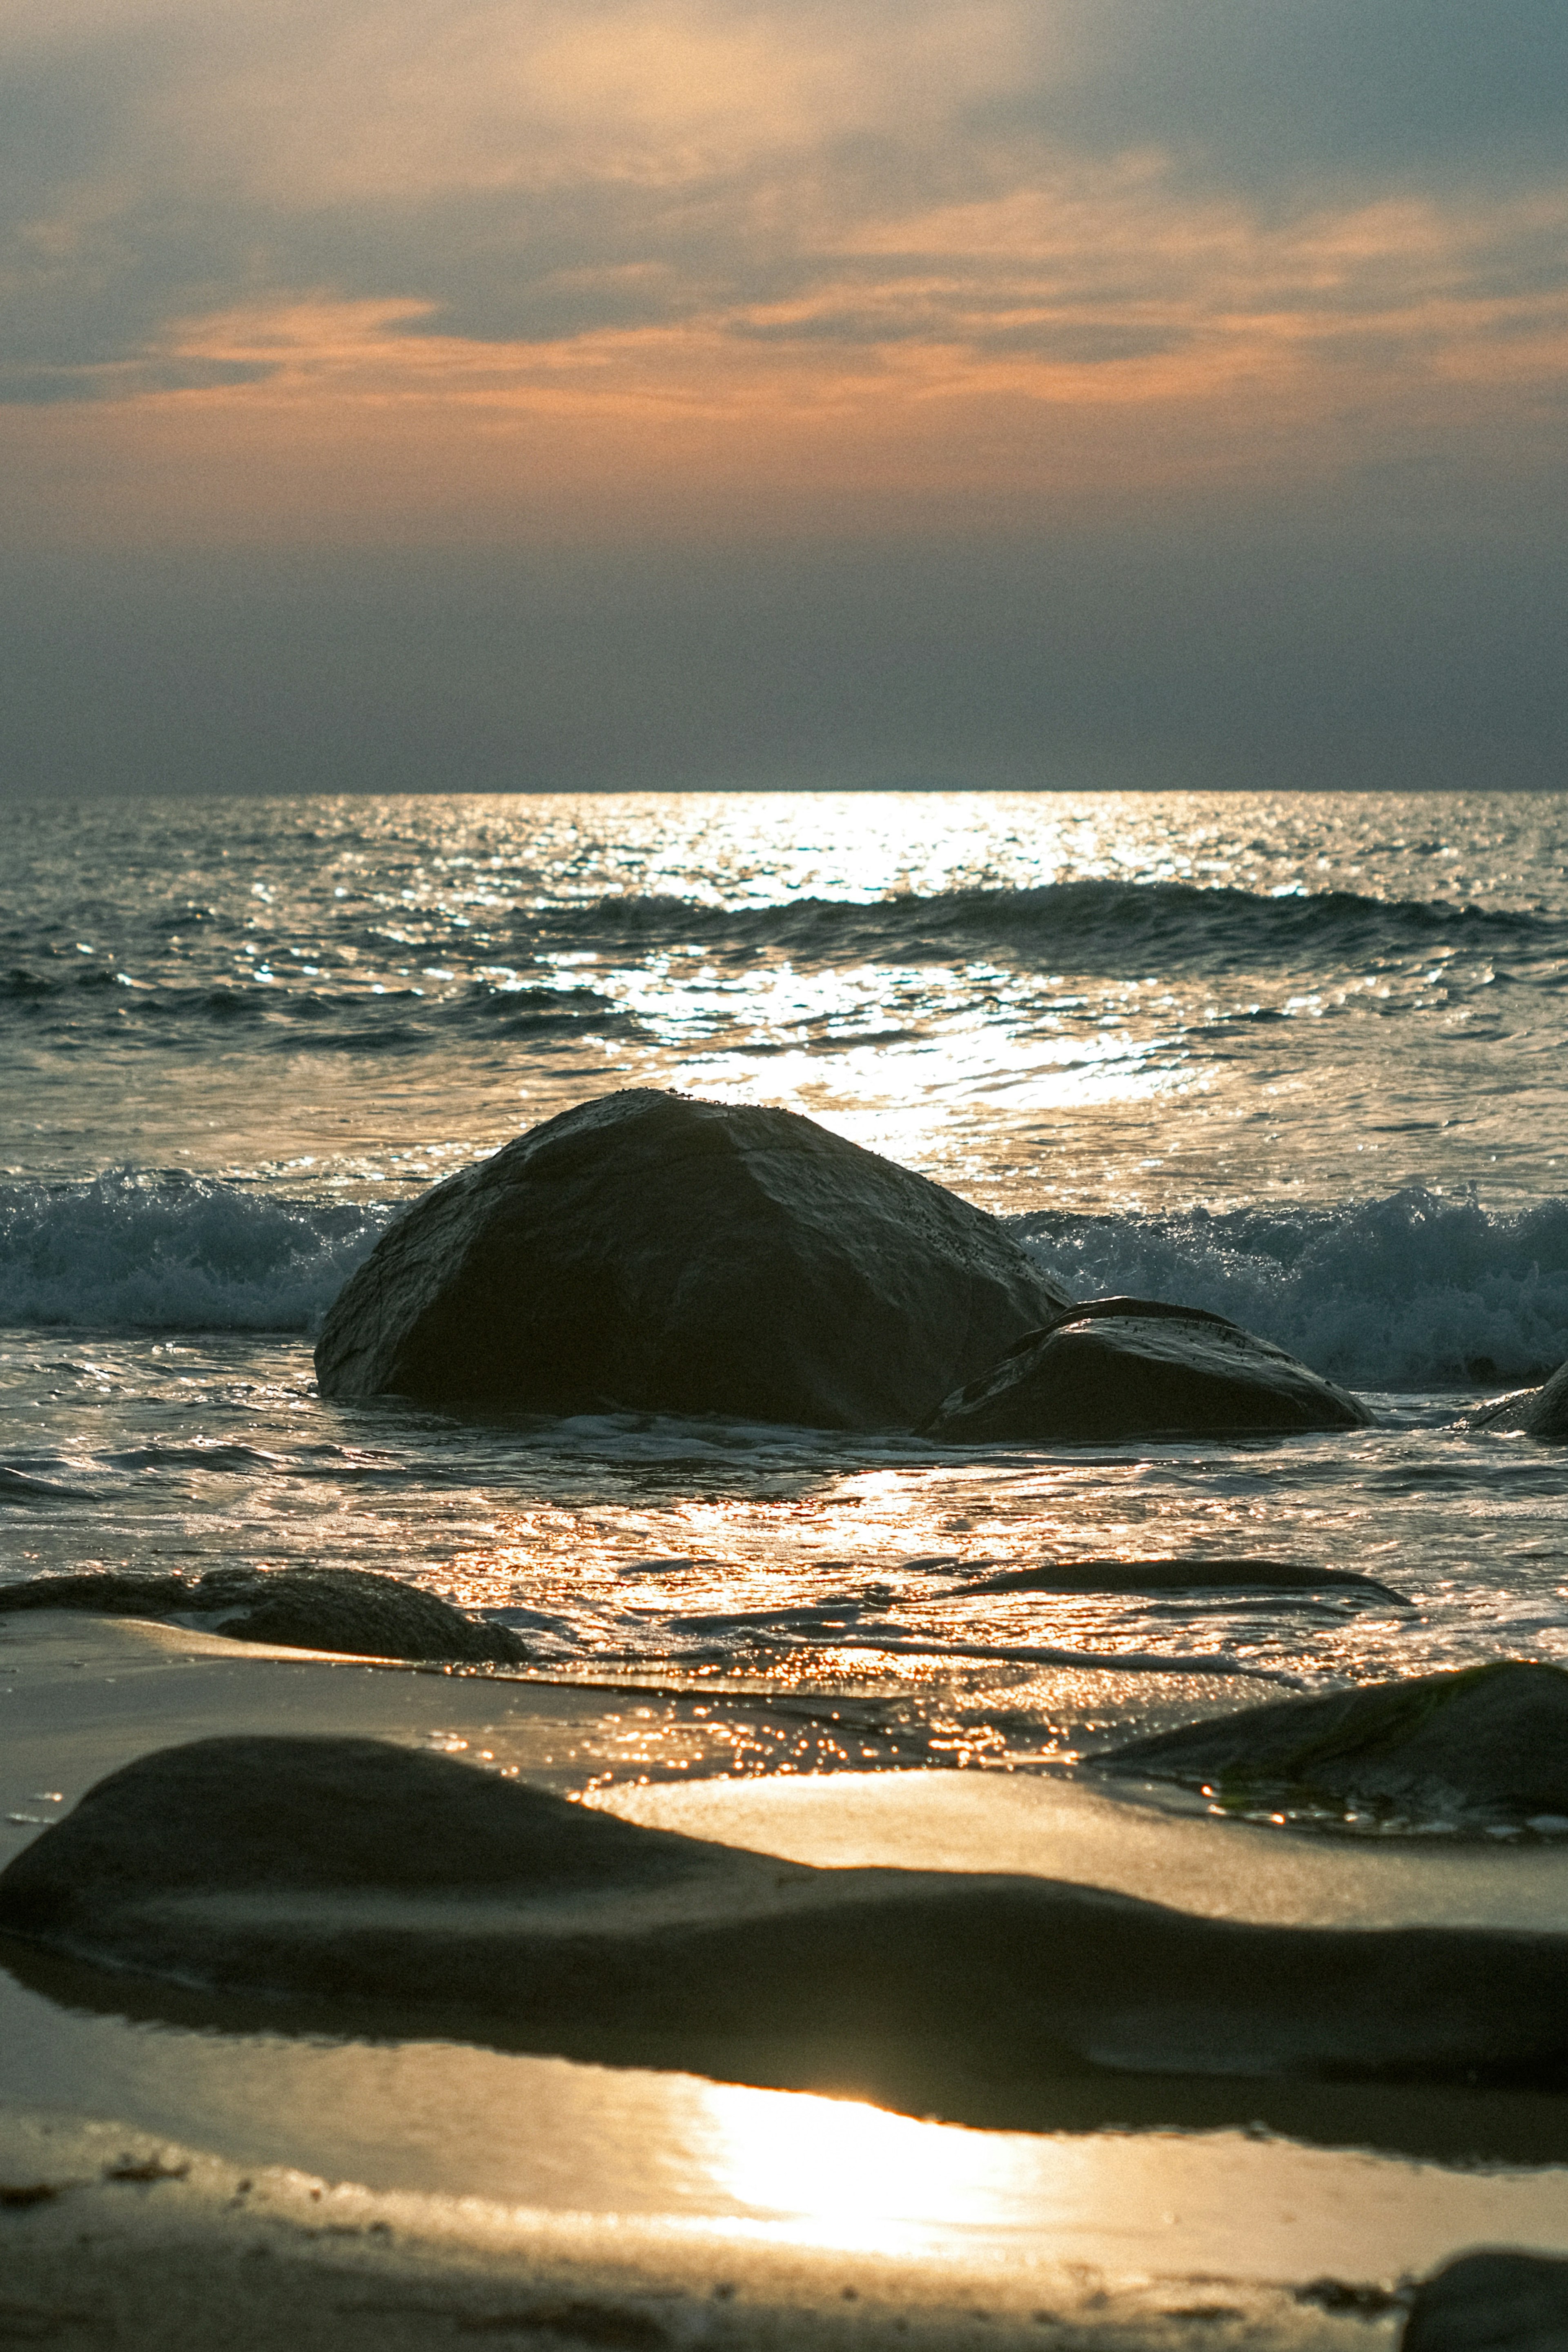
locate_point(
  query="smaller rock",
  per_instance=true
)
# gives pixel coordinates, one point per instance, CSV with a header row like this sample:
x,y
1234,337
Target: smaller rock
x,y
1535,1412
105,1591
346,1610
1487,1747
1180,1575
1494,2301
1116,1367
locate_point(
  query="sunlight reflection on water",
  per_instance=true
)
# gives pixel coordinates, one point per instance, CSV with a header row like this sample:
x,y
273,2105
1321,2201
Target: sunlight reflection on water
x,y
857,2175
1088,1000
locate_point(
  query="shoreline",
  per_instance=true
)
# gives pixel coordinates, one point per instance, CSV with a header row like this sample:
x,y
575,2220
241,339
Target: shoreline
x,y
116,2237
410,2183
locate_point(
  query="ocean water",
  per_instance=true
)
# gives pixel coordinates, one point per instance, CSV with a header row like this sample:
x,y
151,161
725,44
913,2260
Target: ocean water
x,y
1298,1058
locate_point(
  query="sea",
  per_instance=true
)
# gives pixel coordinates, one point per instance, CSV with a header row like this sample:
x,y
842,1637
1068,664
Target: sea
x,y
1296,1057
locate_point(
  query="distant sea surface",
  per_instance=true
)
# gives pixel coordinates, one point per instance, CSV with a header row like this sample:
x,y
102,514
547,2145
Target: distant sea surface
x,y
1298,1058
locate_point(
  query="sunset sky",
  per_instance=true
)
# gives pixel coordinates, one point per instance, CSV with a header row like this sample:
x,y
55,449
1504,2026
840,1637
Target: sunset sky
x,y
466,395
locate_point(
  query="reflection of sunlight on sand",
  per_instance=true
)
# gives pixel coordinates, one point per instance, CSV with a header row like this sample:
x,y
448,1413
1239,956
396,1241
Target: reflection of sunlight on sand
x,y
849,2174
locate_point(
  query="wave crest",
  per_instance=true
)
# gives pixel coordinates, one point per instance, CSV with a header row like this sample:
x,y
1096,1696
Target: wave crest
x,y
1082,924
174,1253
1418,1290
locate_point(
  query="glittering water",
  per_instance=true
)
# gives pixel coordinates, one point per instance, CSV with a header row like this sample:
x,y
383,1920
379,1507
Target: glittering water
x,y
1296,1058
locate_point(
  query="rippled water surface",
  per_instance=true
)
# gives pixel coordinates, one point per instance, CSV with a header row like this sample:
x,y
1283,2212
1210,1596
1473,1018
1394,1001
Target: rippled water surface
x,y
1296,1058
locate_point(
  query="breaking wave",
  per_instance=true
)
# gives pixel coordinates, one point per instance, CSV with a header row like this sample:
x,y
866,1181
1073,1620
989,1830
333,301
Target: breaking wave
x,y
1415,1290
1085,925
1089,928
174,1253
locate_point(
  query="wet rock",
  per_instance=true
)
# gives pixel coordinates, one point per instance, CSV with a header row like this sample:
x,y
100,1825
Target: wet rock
x,y
105,1591
1179,1575
1115,1367
653,1252
1494,2301
399,1891
1535,1413
1486,1746
346,1610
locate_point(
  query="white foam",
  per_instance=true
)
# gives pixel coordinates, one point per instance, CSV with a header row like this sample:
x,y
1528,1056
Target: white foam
x,y
174,1253
1414,1290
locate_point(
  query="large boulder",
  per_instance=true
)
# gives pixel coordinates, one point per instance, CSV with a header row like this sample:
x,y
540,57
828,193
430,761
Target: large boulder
x,y
1535,1412
654,1252
1117,1368
1482,1748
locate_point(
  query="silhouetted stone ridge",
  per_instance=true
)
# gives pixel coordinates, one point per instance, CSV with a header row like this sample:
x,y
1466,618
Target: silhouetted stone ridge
x,y
343,1609
364,1880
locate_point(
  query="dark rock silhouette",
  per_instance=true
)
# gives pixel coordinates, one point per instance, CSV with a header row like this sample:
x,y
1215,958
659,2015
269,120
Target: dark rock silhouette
x,y
1185,1575
1498,2300
362,1874
653,1252
1535,1413
342,1608
1487,1745
1116,1367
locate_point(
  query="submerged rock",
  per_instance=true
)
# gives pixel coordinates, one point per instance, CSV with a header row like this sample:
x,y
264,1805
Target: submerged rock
x,y
1486,1746
348,1610
1117,1368
399,1891
1498,2300
1535,1413
1189,1575
657,1253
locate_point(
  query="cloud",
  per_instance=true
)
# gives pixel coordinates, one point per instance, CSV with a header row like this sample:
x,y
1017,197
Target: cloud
x,y
1091,181
1281,98
1048,391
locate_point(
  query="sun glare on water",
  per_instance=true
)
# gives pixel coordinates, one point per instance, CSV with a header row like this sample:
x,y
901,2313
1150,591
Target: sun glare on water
x,y
843,2174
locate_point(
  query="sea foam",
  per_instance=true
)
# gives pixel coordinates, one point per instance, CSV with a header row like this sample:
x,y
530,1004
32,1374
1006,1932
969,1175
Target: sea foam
x,y
1418,1289
173,1251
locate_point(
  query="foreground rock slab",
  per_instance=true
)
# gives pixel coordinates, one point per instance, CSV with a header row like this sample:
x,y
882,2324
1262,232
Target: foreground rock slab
x,y
373,1888
653,1252
1483,1747
348,1610
1116,1367
1533,1412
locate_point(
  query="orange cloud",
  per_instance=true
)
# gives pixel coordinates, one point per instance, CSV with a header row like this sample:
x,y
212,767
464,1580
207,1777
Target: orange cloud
x,y
457,267
1100,338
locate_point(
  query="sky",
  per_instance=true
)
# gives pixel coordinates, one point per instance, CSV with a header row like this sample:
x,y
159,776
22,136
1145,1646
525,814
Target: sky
x,y
486,394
